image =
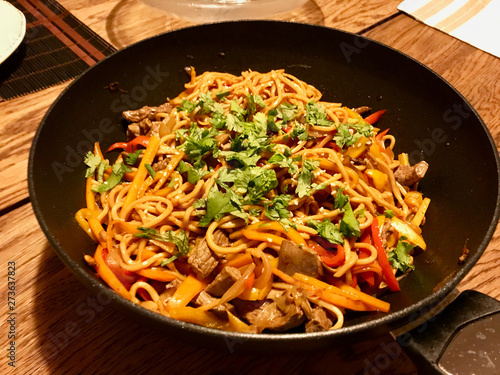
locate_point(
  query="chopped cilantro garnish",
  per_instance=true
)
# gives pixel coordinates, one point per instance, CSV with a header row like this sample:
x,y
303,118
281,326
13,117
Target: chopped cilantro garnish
x,y
194,174
218,204
132,157
180,240
349,225
221,95
92,161
199,143
399,257
277,208
285,162
150,170
340,199
389,214
316,115
114,178
305,177
253,102
187,106
287,112
327,230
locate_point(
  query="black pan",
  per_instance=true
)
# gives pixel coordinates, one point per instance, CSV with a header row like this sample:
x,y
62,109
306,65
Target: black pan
x,y
429,118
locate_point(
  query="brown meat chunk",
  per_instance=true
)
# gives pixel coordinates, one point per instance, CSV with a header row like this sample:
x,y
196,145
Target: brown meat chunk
x,y
410,175
223,281
266,315
385,232
146,112
293,258
362,109
202,260
203,298
143,127
221,238
319,321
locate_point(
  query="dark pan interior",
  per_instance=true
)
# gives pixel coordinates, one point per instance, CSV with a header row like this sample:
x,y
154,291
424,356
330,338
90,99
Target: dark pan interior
x,y
429,118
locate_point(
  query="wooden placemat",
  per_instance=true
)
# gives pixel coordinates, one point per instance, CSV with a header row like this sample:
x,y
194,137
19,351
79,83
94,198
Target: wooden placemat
x,y
57,47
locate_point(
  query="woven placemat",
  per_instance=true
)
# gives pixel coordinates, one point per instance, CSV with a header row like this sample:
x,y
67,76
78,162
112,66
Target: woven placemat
x,y
57,47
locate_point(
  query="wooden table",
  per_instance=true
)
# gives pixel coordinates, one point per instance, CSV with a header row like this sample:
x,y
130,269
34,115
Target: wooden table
x,y
62,329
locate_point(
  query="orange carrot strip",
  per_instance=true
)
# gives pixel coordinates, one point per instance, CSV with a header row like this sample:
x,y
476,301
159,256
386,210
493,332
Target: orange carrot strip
x,y
240,261
291,233
158,274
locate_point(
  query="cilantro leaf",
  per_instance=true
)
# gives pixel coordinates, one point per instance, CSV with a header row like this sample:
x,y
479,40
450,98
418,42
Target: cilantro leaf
x,y
199,143
114,178
237,110
180,240
132,157
221,95
92,161
305,177
399,257
361,127
245,158
218,204
349,225
187,106
340,199
327,230
150,170
253,102
285,162
262,184
344,137
389,214
277,209
299,132
287,112
193,174
316,115
209,105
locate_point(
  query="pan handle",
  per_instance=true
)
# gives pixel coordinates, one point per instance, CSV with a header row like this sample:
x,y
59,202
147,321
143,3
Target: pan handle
x,y
464,338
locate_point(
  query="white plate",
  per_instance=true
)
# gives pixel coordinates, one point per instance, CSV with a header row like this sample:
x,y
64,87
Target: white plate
x,y
12,29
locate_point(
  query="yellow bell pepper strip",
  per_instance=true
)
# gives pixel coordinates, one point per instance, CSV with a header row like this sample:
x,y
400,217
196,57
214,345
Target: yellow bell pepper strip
x,y
255,294
405,230
291,233
82,217
390,279
108,276
374,117
142,172
352,114
380,179
189,288
403,159
358,148
158,274
419,216
197,316
237,325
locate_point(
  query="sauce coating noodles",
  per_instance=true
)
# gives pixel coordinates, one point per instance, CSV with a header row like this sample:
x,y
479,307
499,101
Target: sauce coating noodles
x,y
247,203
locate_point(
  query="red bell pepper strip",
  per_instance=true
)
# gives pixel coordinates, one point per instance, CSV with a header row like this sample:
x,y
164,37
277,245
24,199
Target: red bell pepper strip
x,y
374,117
132,145
380,135
390,279
330,259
